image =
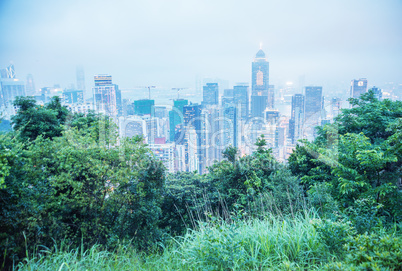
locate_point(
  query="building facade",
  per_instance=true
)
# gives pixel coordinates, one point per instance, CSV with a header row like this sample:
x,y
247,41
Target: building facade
x,y
259,84
358,87
313,105
210,94
296,118
107,96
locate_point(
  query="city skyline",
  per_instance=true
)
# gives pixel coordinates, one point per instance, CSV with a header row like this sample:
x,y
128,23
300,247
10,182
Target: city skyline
x,y
169,45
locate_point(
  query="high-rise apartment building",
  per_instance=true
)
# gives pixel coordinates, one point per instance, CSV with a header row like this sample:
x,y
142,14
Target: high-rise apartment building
x,y
166,154
296,118
377,92
336,106
313,105
107,96
132,126
72,96
192,129
271,124
358,87
271,97
211,136
176,119
230,125
80,78
241,99
259,84
210,94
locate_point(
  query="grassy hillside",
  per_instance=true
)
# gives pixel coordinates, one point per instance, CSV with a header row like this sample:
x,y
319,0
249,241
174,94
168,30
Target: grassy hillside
x,y
305,242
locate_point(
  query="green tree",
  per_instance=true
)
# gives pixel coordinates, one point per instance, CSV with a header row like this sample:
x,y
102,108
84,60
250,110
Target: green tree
x,y
187,198
62,111
33,120
76,188
17,207
360,163
369,116
239,179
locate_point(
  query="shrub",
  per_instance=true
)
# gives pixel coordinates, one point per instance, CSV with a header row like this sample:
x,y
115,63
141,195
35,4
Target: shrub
x,y
334,234
364,214
371,252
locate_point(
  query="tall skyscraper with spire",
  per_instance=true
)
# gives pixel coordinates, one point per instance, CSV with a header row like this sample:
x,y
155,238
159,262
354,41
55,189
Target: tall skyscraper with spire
x,y
259,84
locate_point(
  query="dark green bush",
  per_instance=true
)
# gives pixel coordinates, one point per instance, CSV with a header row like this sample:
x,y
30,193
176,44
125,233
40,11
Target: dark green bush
x,y
371,252
334,234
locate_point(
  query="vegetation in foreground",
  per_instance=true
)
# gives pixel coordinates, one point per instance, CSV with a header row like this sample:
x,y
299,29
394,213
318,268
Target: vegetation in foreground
x,y
337,205
301,243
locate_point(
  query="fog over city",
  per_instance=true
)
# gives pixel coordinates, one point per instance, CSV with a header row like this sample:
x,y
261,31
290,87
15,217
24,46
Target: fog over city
x,y
171,43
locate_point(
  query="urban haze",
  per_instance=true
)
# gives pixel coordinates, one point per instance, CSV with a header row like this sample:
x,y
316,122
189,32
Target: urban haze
x,y
172,43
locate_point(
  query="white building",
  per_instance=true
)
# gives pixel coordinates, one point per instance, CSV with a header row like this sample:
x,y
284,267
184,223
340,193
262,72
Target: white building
x,y
165,153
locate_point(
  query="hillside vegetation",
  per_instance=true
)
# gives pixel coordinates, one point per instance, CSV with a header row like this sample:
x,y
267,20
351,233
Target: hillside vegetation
x,y
74,196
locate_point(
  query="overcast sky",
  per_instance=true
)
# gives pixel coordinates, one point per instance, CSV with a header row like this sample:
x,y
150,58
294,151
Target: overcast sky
x,y
170,43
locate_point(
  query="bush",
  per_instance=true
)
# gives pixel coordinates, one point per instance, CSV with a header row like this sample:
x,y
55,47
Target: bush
x,y
365,214
371,252
334,234
319,197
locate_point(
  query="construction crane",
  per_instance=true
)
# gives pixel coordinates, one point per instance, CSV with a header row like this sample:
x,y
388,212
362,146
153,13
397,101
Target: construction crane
x,y
178,91
148,87
149,91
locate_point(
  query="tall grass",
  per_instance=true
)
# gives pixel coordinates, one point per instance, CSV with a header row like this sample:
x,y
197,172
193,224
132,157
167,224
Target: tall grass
x,y
272,243
123,258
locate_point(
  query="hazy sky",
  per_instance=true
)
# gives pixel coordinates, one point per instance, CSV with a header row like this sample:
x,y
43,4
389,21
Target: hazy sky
x,y
169,43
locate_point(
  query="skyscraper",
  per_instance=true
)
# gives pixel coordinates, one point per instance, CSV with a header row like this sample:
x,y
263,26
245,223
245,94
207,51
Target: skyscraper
x,y
210,94
358,87
230,125
30,86
259,84
241,100
192,142
10,88
377,92
107,96
80,78
238,97
144,107
271,124
176,118
296,118
72,96
211,136
313,105
10,71
271,97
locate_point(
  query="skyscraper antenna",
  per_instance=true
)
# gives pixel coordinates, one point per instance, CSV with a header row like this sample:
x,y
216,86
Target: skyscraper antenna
x,y
260,45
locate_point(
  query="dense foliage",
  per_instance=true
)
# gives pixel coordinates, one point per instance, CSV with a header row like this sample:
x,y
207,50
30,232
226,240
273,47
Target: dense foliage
x,y
76,186
69,179
358,160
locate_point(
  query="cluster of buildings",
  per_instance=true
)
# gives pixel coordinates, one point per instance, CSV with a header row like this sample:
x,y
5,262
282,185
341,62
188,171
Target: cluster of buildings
x,y
190,136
